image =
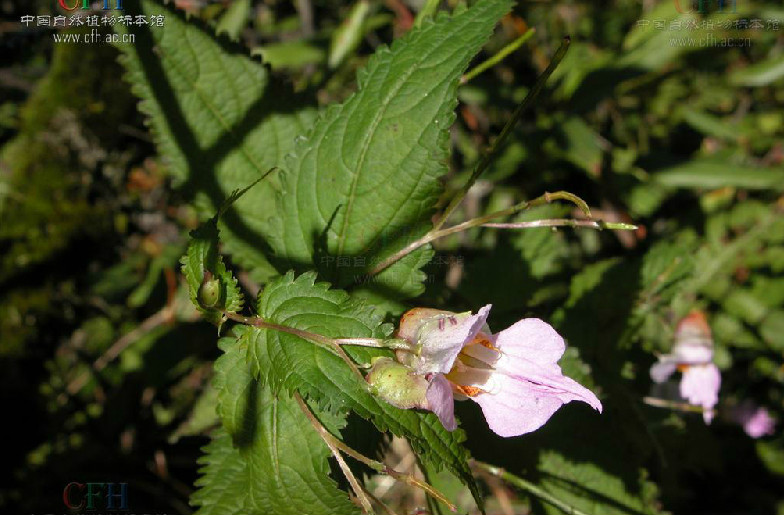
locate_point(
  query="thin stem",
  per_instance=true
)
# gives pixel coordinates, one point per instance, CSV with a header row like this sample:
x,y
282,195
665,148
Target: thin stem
x,y
373,464
387,509
484,163
165,315
679,406
400,476
434,507
428,11
530,488
434,234
499,56
327,343
328,439
563,222
378,343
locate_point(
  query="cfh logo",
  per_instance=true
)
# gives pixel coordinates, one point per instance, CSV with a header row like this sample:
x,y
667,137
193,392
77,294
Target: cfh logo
x,y
702,6
94,496
86,5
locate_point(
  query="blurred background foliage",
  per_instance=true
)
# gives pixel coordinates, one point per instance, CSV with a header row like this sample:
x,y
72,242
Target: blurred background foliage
x,y
105,367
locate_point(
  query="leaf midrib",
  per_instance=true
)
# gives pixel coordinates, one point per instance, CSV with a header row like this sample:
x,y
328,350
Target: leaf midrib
x,y
212,109
366,144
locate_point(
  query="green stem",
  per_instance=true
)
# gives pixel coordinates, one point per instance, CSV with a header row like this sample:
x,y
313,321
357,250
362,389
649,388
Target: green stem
x,y
324,341
331,344
400,476
563,222
679,406
498,57
530,488
484,163
378,343
379,467
434,234
328,439
432,504
428,11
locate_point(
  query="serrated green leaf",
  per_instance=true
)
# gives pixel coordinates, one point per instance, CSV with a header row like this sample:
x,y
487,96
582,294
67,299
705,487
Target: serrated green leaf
x,y
663,267
581,145
267,447
347,37
207,275
711,174
760,74
287,461
290,54
236,388
365,180
223,485
772,330
742,303
201,418
588,487
234,19
710,124
217,118
282,470
288,363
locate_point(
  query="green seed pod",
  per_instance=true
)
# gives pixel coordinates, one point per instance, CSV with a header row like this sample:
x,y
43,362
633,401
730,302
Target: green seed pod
x,y
397,384
210,292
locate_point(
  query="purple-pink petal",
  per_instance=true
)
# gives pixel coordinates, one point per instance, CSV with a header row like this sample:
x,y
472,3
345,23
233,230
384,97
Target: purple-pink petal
x,y
443,337
700,386
531,339
527,386
441,401
756,421
663,369
517,408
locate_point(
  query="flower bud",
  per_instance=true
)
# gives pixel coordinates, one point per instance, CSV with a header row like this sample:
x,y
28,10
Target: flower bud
x,y
397,384
210,291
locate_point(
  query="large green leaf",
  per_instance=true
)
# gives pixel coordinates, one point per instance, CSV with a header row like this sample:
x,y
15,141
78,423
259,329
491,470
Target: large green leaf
x,y
287,462
236,388
710,174
365,180
217,118
586,486
760,74
267,458
289,363
223,485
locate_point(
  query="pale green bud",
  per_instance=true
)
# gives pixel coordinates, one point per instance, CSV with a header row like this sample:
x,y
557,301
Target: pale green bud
x,y
397,384
210,291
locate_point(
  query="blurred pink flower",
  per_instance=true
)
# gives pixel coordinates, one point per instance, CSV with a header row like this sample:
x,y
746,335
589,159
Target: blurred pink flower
x,y
692,355
513,375
756,421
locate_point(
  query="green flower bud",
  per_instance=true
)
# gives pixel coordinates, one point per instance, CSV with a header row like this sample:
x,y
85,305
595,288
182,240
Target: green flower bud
x,y
210,291
397,384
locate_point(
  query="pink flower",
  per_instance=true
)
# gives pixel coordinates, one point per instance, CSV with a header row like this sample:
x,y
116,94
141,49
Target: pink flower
x,y
756,421
513,375
692,355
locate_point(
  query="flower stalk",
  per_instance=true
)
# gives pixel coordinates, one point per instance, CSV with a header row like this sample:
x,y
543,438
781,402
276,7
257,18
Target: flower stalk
x,y
500,56
329,440
485,221
499,142
437,233
333,345
564,222
529,487
674,405
336,445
